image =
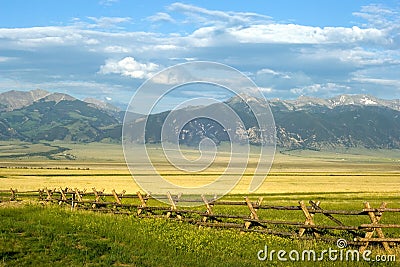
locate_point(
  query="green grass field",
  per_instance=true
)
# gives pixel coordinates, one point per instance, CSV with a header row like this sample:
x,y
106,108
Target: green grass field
x,y
37,235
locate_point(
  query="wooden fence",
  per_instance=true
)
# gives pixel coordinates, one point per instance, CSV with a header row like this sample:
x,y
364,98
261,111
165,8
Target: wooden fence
x,y
251,216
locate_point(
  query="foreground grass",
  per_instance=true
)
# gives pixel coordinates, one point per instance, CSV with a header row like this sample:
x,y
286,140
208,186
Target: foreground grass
x,y
50,236
35,235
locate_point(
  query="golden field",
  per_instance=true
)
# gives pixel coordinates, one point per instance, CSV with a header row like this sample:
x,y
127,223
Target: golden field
x,y
103,166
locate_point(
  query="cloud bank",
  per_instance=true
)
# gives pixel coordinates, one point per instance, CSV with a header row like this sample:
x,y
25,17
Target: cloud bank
x,y
285,59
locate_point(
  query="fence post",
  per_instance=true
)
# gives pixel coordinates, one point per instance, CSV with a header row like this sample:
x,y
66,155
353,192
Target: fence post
x,y
173,207
77,196
309,219
208,206
49,194
375,220
63,197
97,197
117,199
40,194
12,194
143,203
253,211
73,197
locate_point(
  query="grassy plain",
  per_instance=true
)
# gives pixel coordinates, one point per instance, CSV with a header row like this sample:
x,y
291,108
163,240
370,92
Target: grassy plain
x,y
36,235
103,166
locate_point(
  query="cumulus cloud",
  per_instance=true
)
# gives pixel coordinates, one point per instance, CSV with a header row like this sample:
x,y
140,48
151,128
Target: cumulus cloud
x,y
299,34
247,27
128,66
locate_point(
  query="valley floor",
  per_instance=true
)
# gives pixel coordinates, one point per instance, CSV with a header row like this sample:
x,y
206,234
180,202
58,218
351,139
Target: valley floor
x,y
25,166
52,235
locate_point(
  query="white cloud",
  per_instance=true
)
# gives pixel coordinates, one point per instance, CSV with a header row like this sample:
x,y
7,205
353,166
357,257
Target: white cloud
x,y
386,82
48,34
298,34
245,27
108,22
379,16
128,66
206,16
165,47
265,89
91,41
34,37
172,77
290,58
116,49
273,73
6,59
322,89
81,35
87,87
357,55
370,57
161,17
268,71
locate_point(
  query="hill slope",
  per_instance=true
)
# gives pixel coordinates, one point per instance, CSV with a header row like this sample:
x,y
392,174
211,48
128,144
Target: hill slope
x,y
59,117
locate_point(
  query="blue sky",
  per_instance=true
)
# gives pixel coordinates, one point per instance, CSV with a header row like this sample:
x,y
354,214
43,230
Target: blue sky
x,y
107,48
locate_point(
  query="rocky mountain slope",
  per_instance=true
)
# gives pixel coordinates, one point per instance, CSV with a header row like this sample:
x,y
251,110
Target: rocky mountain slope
x,y
39,115
312,123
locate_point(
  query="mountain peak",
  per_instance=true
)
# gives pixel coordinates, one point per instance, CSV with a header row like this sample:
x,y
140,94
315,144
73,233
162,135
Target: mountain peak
x,y
246,98
101,104
307,102
364,100
38,93
57,97
17,99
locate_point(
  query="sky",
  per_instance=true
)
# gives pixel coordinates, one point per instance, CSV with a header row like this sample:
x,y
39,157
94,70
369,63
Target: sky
x,y
107,48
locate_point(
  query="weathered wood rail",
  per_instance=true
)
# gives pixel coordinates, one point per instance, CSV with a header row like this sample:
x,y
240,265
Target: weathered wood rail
x,y
255,220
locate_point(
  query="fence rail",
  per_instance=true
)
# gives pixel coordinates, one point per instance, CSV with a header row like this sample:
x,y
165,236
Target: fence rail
x,y
362,235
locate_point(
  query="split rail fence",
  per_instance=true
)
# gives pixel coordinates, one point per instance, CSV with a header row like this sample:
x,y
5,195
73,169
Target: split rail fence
x,y
250,216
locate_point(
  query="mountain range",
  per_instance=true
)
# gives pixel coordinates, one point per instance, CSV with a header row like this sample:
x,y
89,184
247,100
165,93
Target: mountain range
x,y
304,123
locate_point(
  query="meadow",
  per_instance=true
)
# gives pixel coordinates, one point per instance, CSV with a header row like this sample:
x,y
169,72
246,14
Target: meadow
x,y
41,234
33,234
